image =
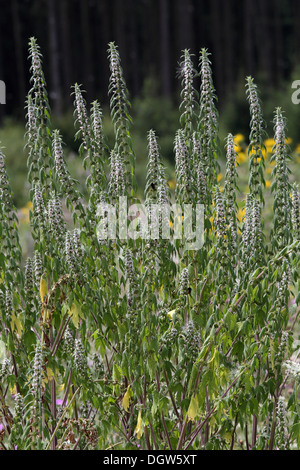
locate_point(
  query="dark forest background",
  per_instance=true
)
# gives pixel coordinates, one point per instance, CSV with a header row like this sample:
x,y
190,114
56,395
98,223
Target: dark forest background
x,y
245,37
257,37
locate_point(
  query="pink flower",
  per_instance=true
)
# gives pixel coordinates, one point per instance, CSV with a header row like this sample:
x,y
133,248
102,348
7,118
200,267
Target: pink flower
x,y
59,401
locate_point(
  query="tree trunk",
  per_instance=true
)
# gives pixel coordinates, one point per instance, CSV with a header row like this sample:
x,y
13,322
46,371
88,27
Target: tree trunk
x,y
228,45
87,49
55,90
165,48
216,21
19,52
184,24
66,51
279,62
133,47
248,37
264,46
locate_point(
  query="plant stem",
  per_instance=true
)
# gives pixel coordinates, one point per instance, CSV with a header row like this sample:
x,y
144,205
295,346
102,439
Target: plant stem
x,y
61,418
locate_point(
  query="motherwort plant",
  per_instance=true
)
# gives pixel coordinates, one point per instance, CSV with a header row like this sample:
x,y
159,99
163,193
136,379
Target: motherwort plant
x,y
146,341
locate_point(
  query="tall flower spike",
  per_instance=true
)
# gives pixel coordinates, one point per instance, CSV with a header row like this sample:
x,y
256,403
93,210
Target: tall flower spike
x,y
119,106
208,119
163,199
184,282
80,360
38,268
281,233
70,253
32,140
39,206
296,212
55,218
153,167
69,342
256,236
282,432
117,183
98,148
156,191
77,244
9,240
192,340
220,214
38,80
60,164
131,275
67,183
8,304
5,368
19,409
81,117
5,189
182,167
230,192
221,247
38,101
199,168
246,230
188,105
256,139
29,287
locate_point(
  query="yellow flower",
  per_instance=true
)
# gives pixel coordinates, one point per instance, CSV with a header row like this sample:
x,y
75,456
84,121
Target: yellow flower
x,y
268,183
172,184
24,212
252,151
241,157
240,214
238,138
297,150
219,177
269,143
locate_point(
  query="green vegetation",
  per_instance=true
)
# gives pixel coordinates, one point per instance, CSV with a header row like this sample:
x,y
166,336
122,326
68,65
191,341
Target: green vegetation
x,y
138,342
